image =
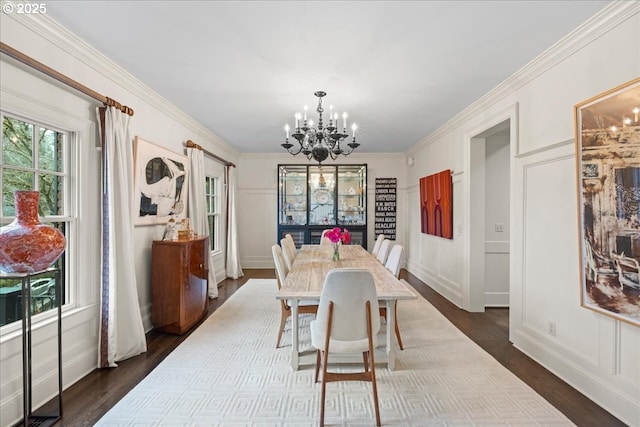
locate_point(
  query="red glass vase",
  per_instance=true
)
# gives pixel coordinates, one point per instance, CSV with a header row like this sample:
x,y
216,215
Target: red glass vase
x,y
26,245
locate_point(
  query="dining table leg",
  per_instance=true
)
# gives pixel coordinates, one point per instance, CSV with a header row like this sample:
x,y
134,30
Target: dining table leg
x,y
391,335
294,334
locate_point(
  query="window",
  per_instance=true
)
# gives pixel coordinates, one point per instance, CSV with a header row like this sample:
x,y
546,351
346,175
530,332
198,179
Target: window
x,y
34,157
213,210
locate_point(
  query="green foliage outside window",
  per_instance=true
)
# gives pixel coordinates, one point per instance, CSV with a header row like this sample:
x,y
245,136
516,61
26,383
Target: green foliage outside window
x,y
24,159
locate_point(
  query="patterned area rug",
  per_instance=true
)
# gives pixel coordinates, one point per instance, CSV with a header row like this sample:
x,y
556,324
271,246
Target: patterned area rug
x,y
229,373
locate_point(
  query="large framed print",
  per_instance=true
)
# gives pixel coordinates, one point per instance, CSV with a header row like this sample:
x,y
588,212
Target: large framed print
x,y
436,204
161,180
608,177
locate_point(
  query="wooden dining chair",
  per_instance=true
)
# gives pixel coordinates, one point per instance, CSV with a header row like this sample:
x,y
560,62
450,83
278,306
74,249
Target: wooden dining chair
x,y
376,246
393,265
384,251
304,307
344,324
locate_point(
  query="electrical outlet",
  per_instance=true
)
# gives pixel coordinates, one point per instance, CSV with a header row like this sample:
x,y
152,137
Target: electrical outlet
x,y
499,228
551,329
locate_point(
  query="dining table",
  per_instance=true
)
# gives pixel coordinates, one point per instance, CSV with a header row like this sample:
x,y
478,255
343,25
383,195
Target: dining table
x,y
306,279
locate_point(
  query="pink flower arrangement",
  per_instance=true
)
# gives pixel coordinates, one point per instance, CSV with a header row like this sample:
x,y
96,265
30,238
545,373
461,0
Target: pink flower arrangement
x,y
337,236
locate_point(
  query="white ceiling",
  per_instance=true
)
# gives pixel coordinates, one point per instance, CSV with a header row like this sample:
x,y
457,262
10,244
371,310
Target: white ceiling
x,y
399,68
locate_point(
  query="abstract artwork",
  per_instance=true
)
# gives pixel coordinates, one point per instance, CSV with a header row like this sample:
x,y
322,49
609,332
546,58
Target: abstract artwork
x,y
161,179
608,166
436,204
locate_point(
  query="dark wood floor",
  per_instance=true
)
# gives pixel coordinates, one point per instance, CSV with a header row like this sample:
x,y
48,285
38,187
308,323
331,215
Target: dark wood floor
x,y
88,400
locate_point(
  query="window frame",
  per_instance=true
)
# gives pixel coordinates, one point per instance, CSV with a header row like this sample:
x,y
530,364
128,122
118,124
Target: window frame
x,y
68,218
213,210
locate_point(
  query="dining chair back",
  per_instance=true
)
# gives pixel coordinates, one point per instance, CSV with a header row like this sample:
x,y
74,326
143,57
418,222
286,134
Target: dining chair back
x,y
324,240
281,274
345,324
288,251
291,245
376,246
394,259
384,251
281,267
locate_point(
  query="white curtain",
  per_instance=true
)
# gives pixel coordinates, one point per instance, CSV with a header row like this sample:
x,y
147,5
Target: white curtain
x,y
198,208
121,329
234,270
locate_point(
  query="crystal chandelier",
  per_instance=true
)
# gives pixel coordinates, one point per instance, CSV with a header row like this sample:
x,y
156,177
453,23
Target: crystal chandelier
x,y
320,142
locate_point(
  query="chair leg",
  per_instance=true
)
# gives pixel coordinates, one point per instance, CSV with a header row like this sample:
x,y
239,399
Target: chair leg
x,y
373,367
317,365
283,320
365,361
375,392
325,360
398,328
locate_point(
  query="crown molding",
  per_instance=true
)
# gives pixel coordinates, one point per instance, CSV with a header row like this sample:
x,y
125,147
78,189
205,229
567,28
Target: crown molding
x,y
51,30
608,18
351,159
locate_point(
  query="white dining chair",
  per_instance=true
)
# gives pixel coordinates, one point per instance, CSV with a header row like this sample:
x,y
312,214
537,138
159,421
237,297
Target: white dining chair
x,y
376,246
304,307
344,324
394,259
291,245
289,237
325,231
288,251
393,265
384,251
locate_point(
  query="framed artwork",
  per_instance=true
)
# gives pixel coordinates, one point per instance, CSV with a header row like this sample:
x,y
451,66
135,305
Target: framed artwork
x,y
608,179
436,204
161,179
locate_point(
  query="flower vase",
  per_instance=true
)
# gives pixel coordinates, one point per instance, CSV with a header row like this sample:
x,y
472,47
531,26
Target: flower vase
x,y
336,252
26,245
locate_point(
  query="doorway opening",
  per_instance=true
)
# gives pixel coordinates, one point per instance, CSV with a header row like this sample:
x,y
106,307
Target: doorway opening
x,y
489,153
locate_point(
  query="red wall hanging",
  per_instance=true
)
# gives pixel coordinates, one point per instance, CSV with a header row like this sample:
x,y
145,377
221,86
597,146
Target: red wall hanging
x,y
436,204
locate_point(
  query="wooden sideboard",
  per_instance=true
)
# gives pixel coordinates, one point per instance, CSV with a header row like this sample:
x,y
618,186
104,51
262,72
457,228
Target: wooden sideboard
x,y
179,280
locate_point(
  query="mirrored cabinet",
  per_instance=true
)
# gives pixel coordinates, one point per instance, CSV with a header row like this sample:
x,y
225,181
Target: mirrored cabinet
x,y
313,198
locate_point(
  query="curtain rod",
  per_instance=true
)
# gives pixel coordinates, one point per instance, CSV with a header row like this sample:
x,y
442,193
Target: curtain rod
x,y
191,144
16,54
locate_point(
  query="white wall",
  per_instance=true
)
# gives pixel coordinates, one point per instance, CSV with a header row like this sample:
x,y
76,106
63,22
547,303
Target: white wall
x,y
25,90
596,354
258,199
